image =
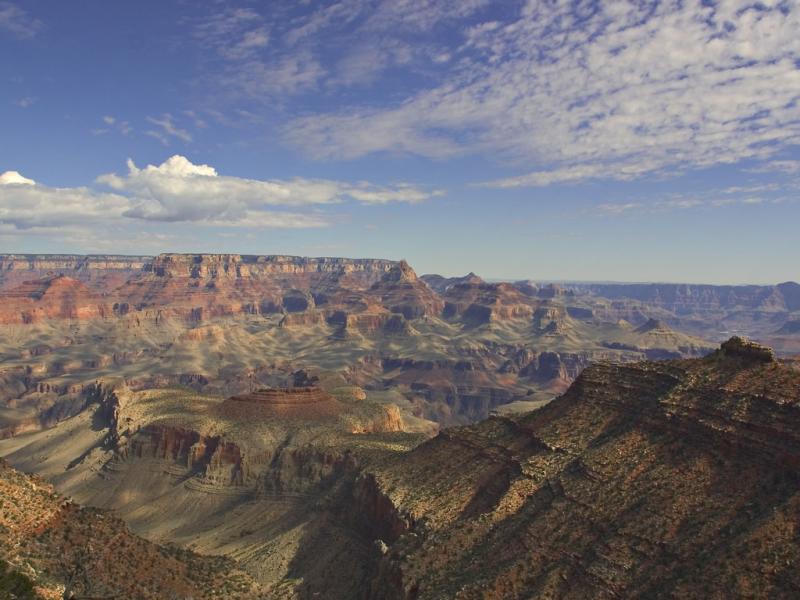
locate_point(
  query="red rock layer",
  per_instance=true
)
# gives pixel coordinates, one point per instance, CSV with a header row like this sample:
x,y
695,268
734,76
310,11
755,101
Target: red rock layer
x,y
308,403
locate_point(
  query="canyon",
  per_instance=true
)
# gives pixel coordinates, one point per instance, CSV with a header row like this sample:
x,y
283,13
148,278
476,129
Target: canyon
x,y
645,479
295,428
226,324
767,313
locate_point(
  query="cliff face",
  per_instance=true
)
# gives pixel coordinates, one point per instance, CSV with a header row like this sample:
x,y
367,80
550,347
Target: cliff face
x,y
226,322
268,477
99,272
57,297
272,441
479,303
644,480
201,266
401,291
193,286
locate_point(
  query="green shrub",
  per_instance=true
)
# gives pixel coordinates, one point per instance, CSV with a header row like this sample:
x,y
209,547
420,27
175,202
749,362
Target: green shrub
x,y
15,585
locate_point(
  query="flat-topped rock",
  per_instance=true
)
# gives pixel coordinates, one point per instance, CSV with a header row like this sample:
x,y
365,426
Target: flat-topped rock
x,y
294,396
293,403
742,348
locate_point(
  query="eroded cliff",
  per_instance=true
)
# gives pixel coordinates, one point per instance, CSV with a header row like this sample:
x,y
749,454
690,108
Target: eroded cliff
x,y
646,480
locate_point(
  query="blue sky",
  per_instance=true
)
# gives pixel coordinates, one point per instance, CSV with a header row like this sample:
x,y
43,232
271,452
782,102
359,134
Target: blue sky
x,y
653,141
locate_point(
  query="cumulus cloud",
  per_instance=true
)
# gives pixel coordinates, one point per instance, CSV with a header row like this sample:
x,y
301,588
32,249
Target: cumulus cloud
x,y
179,191
588,90
14,178
29,206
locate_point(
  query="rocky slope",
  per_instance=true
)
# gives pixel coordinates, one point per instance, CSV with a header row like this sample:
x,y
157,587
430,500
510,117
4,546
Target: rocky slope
x,y
670,479
264,477
66,551
643,480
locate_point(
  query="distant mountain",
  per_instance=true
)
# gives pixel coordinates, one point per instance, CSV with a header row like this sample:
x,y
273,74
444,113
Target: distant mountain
x,y
709,311
440,284
684,298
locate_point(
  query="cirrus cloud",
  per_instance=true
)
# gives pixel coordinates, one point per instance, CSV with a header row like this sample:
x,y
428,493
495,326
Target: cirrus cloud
x,y
17,21
579,90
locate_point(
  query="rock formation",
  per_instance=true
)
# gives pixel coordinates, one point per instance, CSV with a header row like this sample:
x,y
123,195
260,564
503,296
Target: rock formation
x,y
68,551
673,479
643,480
228,324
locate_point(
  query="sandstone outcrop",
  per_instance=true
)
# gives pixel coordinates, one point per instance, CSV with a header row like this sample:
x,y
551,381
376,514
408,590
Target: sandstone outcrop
x,y
441,284
401,291
479,303
738,347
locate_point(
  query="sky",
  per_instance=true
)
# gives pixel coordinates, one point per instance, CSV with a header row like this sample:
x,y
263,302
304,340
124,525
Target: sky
x,y
547,140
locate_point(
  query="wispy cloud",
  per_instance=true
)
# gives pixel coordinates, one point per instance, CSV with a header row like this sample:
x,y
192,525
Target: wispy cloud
x,y
792,167
703,200
167,129
110,124
271,52
17,22
604,90
26,102
234,34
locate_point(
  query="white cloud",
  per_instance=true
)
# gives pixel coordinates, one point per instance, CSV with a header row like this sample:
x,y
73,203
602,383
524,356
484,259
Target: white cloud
x,y
602,90
32,207
791,167
113,124
167,129
277,53
42,209
17,21
14,178
178,190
